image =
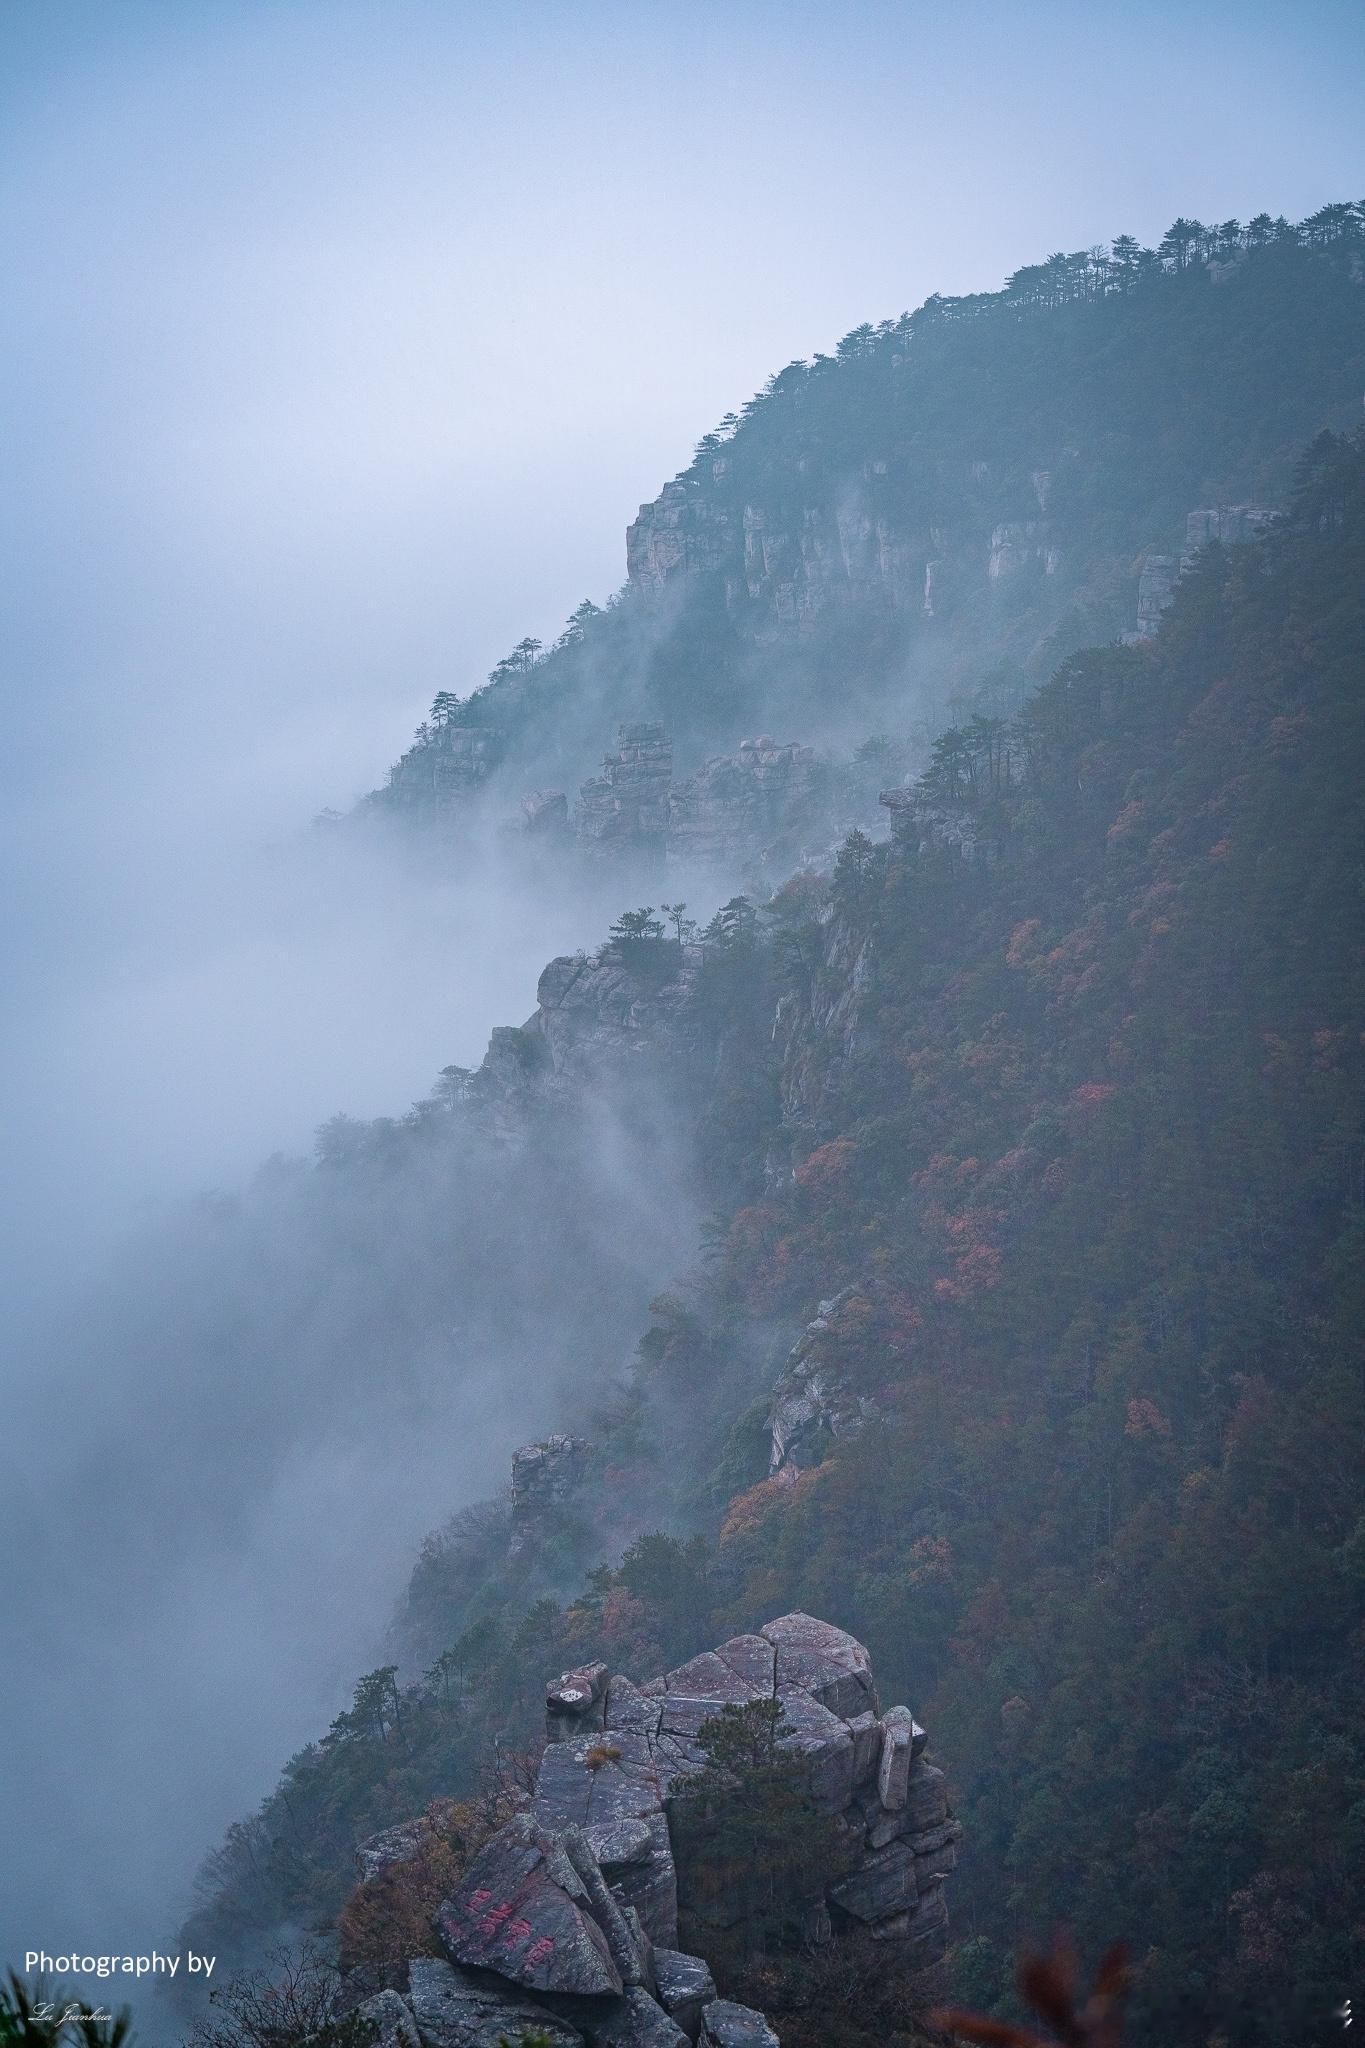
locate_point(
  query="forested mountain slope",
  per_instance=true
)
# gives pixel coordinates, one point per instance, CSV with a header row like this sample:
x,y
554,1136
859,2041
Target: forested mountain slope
x,y
934,515
1052,1107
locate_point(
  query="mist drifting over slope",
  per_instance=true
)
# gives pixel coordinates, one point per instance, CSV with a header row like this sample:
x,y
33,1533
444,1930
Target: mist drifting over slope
x,y
340,347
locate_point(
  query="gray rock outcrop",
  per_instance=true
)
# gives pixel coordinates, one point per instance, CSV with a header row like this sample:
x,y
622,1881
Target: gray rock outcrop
x,y
754,804
565,1924
624,810
545,1477
1229,525
812,1402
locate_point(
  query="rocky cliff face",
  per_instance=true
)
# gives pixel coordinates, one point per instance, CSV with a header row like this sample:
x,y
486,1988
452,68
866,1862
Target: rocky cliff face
x,y
783,572
925,517
624,810
754,805
545,1478
437,780
1229,525
758,807
566,1923
818,1028
812,1403
780,570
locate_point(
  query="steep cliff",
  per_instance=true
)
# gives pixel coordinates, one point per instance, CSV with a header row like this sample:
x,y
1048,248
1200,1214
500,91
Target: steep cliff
x,y
931,517
953,489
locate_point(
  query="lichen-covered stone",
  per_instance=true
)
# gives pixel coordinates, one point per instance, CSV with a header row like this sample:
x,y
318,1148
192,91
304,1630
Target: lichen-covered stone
x,y
388,2021
625,1939
566,1922
613,1781
576,1700
798,1632
381,1852
628,1707
727,2025
618,1841
893,1771
684,1985
866,1731
451,2009
516,1914
824,1745
753,1660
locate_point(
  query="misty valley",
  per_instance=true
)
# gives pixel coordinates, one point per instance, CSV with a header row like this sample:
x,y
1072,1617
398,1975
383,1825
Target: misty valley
x,y
819,1461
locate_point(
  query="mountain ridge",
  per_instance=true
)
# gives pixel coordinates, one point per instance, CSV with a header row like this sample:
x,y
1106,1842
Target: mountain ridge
x,y
924,522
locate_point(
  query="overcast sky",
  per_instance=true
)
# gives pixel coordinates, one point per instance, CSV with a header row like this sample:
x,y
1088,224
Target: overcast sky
x,y
344,338
341,339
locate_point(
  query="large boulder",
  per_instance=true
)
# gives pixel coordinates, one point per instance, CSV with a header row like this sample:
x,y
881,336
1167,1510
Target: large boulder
x,y
827,1662
684,1985
825,1746
453,2009
388,2022
726,2025
752,1659
576,1701
523,1911
609,1785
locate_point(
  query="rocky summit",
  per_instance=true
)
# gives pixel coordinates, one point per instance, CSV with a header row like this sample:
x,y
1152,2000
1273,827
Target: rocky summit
x,y
565,1924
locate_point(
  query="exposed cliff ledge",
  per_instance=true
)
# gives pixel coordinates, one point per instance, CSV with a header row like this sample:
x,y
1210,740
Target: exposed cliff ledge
x,y
932,512
566,1922
598,1019
779,571
756,807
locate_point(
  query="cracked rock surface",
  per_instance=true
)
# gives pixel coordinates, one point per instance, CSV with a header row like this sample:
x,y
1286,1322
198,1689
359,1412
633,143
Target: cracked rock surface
x,y
566,1922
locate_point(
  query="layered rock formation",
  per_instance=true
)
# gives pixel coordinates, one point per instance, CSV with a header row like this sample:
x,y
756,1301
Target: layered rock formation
x,y
440,777
1229,525
566,1922
545,1478
779,573
754,803
593,1013
625,808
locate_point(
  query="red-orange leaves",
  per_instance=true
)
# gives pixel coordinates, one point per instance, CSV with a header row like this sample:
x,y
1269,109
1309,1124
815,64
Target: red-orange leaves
x,y
826,1171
